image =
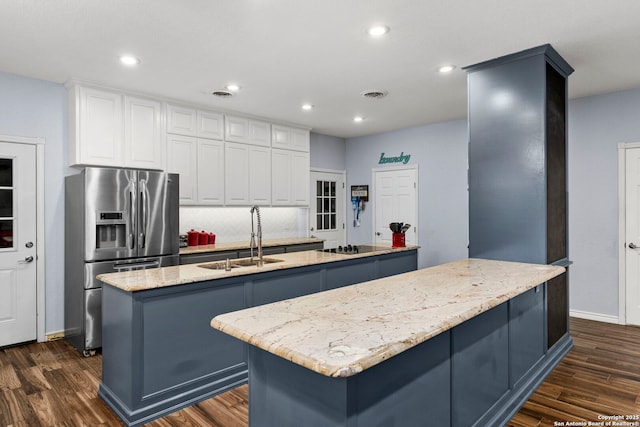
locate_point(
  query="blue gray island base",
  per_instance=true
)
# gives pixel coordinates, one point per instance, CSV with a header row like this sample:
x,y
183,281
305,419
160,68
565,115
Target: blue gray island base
x,y
160,354
477,374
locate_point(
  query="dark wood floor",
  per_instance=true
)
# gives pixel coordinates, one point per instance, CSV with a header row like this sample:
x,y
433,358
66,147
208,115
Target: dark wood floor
x,y
50,384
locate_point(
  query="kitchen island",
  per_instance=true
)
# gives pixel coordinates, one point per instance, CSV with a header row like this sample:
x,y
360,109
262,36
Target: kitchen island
x,y
159,353
459,344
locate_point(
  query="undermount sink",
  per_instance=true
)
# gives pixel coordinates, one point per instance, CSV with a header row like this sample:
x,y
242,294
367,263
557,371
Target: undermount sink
x,y
246,262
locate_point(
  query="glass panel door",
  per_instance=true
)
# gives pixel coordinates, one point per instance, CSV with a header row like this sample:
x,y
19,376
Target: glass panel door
x,y
7,219
326,205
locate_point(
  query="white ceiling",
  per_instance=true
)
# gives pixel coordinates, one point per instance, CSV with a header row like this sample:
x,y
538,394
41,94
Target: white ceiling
x,y
286,52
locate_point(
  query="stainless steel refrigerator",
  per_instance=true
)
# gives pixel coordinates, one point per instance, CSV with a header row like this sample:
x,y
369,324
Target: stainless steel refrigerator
x,y
115,220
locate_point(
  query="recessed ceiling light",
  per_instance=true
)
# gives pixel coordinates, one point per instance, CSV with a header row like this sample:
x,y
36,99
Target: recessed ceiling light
x,y
358,119
446,68
233,87
129,60
378,30
307,107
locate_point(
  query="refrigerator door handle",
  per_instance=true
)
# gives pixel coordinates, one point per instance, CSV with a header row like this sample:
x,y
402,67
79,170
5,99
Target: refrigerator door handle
x,y
144,210
132,219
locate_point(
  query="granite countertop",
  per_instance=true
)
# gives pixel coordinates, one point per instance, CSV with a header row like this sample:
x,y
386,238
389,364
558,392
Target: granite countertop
x,y
342,332
140,280
234,246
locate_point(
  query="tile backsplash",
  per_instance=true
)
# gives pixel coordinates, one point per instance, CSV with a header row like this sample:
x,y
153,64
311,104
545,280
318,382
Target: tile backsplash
x,y
234,224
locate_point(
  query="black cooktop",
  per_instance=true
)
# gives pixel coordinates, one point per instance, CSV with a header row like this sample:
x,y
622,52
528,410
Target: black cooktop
x,y
350,249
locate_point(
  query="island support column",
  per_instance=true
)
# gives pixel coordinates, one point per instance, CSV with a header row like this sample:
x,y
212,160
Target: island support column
x,y
518,167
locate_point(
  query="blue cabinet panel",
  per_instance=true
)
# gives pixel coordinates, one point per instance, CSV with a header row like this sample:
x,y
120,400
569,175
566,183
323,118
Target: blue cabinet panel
x,y
187,348
480,357
285,286
526,331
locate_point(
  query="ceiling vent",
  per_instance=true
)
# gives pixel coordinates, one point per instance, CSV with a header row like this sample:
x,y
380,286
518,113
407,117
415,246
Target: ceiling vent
x,y
374,94
222,93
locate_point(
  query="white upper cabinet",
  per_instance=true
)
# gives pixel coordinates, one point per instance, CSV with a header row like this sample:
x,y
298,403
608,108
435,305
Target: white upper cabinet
x,y
259,133
289,178
300,139
182,158
143,135
95,127
236,177
289,138
192,122
211,168
247,175
200,163
181,120
300,165
247,131
259,175
110,129
210,125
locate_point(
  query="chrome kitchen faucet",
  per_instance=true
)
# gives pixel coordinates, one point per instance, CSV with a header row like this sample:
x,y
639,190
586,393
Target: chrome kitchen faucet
x,y
252,245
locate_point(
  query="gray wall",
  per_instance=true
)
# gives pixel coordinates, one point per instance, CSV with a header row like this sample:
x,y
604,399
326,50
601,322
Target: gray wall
x,y
327,152
440,151
596,125
37,108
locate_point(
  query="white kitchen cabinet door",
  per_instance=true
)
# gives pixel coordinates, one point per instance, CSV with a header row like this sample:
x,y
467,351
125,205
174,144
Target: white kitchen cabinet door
x,y
247,131
181,120
210,125
143,136
96,127
211,170
236,129
281,177
182,159
236,177
300,178
259,176
300,139
259,133
280,136
289,138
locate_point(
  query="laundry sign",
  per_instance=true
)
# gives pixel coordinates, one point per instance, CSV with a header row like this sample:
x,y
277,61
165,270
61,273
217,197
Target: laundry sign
x,y
402,158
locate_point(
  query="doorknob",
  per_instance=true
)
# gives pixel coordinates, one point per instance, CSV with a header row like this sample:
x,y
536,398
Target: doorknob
x,y
311,228
632,246
26,260
378,233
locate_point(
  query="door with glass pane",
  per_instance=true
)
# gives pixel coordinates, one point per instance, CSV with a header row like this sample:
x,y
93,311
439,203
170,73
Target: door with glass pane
x,y
327,214
17,243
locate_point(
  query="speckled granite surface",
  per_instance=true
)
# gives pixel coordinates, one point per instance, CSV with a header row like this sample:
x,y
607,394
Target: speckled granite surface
x,y
344,331
140,280
233,246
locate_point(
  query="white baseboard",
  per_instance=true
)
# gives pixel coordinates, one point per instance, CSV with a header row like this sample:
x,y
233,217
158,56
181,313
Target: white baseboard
x,y
606,318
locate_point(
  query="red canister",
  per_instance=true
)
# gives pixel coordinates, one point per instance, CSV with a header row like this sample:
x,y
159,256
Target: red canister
x,y
212,239
204,238
397,240
192,237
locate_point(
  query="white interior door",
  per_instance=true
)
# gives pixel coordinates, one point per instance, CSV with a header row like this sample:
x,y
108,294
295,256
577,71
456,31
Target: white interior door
x,y
632,237
17,243
327,212
395,197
